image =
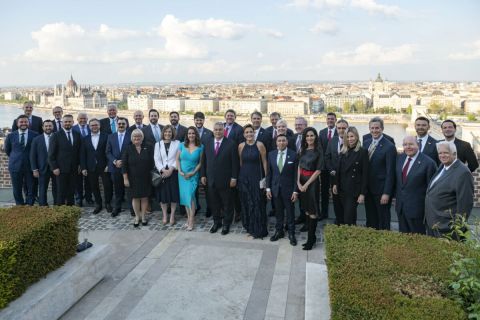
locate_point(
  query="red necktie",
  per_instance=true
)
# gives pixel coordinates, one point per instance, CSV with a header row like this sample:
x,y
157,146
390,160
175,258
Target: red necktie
x,y
405,170
217,146
225,132
329,134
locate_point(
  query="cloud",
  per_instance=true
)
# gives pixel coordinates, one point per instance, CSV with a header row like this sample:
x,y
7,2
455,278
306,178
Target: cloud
x,y
473,54
329,27
370,54
137,70
273,33
319,4
213,67
372,7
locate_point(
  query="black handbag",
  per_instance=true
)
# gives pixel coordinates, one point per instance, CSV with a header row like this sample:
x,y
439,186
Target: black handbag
x,y
156,178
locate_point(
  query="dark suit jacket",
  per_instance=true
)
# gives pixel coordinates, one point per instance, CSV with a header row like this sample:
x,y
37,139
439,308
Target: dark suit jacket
x,y
352,172
55,125
381,171
221,168
39,155
91,159
292,142
451,194
269,142
236,133
62,154
77,129
410,196
105,125
466,154
149,137
114,152
323,136
36,124
430,149
180,133
368,136
133,127
261,135
206,135
331,154
18,155
285,183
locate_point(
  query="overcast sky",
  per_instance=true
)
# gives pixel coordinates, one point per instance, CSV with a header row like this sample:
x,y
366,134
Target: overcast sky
x,y
43,42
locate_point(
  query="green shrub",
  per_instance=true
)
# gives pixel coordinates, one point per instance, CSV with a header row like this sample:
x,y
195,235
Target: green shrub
x,y
388,275
33,242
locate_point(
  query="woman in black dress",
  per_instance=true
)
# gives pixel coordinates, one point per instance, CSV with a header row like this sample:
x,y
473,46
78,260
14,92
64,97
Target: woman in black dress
x,y
351,177
310,165
137,162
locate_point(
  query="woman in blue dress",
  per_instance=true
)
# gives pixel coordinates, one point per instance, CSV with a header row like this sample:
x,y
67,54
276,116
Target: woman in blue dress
x,y
189,161
253,166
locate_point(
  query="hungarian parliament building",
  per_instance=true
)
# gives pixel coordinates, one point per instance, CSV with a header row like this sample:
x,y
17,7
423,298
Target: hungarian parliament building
x,y
74,96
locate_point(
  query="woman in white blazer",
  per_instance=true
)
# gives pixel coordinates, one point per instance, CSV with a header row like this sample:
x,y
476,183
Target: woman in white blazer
x,y
165,162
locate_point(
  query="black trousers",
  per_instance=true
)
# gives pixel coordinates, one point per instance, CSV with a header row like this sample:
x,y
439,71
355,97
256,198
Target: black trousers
x,y
82,189
221,198
93,177
66,183
325,192
349,204
338,209
23,179
284,206
407,225
378,215
43,181
119,188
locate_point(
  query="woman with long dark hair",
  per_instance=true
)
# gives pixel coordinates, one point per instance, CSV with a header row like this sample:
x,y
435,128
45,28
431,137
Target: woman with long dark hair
x,y
310,164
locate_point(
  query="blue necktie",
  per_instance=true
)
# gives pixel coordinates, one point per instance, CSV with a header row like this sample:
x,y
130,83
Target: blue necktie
x,y
113,126
120,140
83,131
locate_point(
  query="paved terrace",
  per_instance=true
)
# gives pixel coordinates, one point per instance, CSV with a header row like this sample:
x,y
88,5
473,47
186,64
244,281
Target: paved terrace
x,y
164,272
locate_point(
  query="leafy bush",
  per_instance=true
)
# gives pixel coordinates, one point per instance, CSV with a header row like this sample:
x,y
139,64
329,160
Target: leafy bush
x,y
33,242
389,275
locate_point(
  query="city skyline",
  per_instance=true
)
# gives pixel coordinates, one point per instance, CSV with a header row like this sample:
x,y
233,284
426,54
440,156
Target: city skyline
x,y
271,41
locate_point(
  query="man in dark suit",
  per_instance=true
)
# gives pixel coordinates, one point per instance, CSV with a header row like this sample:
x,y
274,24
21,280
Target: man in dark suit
x,y
465,152
34,123
93,163
220,171
109,124
17,147
368,136
382,156
271,132
64,160
180,131
116,143
57,118
256,119
39,164
325,135
153,131
331,162
205,135
82,189
450,192
426,144
281,187
138,119
232,130
414,170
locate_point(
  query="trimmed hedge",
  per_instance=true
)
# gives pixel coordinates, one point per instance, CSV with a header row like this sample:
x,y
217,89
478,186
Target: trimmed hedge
x,y
389,275
33,242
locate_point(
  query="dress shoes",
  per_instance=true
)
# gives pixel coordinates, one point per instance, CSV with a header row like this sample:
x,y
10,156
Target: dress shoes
x,y
215,227
225,230
115,212
293,240
278,235
208,214
97,209
109,208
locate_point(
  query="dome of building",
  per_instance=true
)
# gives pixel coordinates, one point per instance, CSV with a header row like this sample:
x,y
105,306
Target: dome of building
x,y
71,83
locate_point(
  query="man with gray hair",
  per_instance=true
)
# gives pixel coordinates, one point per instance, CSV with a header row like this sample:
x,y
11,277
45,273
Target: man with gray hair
x,y
450,192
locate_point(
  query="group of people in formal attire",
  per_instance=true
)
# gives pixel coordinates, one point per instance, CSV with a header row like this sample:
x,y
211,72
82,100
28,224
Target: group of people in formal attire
x,y
241,168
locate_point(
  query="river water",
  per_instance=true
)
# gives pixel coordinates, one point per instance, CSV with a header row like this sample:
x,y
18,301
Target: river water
x,y
8,113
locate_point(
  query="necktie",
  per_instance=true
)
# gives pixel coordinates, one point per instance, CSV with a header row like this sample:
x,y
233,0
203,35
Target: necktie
x,y
405,170
371,149
280,162
47,143
83,131
217,146
22,139
120,140
274,134
420,145
155,132
69,137
299,143
113,126
329,137
29,122
340,145
59,125
225,132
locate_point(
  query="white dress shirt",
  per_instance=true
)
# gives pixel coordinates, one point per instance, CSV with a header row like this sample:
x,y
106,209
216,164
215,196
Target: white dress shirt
x,y
71,135
47,140
284,156
444,170
95,138
411,162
